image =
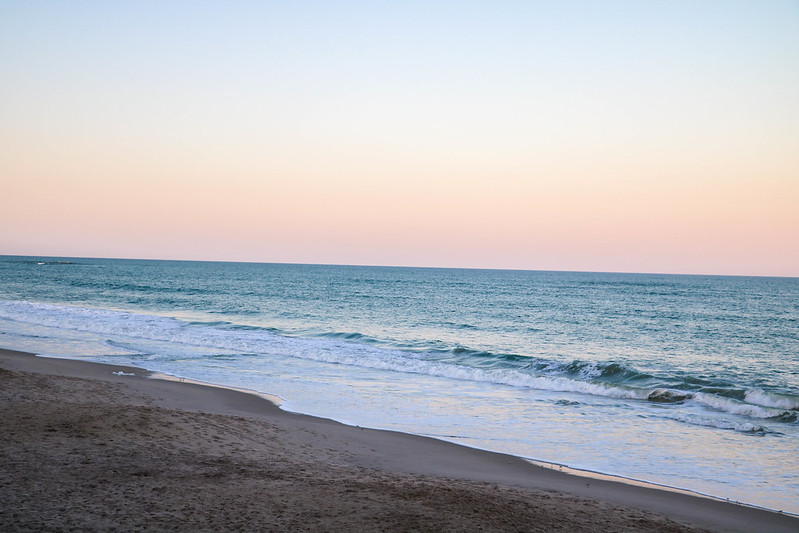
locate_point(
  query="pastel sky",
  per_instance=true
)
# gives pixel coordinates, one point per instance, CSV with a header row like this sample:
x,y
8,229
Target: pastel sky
x,y
577,135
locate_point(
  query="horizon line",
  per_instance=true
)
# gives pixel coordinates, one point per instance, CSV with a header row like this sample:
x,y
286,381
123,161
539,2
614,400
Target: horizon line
x,y
369,265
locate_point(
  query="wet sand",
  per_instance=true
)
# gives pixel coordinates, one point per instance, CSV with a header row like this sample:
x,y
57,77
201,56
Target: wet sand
x,y
100,447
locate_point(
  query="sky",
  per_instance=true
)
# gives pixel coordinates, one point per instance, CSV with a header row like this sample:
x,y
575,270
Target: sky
x,y
576,135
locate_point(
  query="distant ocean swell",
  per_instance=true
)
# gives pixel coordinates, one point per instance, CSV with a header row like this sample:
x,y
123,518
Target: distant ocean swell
x,y
749,408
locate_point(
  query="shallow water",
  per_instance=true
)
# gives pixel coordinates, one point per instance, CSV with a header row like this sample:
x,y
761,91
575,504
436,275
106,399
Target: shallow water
x,y
688,381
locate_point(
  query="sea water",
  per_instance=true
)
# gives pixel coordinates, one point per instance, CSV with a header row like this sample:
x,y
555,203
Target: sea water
x,y
685,381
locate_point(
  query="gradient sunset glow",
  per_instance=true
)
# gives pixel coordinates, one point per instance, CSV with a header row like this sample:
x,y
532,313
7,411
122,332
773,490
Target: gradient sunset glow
x,y
604,136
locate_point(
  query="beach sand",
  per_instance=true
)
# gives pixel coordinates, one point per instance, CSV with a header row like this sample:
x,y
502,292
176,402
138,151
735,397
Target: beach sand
x,y
99,447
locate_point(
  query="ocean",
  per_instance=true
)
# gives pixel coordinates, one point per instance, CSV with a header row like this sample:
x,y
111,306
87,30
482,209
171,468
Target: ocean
x,y
685,381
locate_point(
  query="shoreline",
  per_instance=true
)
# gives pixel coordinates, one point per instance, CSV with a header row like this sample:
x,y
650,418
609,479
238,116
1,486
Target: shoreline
x,y
557,467
540,463
373,463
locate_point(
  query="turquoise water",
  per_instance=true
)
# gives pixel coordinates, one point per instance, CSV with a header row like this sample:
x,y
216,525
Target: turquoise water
x,y
687,381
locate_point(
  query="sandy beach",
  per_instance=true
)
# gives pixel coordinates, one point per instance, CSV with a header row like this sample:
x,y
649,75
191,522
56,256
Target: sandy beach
x,y
98,447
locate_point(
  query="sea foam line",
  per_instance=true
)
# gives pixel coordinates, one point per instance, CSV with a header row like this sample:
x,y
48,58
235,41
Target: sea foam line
x,y
736,407
770,399
167,329
262,341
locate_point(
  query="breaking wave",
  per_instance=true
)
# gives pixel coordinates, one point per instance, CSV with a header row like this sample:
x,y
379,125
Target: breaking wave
x,y
178,339
743,427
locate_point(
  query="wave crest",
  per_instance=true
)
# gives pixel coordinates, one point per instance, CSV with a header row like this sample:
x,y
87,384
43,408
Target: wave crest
x,y
771,399
603,379
736,407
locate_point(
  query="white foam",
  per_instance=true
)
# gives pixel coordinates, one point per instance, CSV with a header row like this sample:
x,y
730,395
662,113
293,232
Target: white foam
x,y
736,407
153,330
89,320
166,329
769,399
744,427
